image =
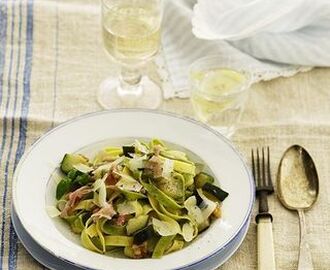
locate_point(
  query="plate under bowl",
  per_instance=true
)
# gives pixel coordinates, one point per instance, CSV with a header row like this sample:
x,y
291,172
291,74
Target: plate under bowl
x,y
30,184
54,263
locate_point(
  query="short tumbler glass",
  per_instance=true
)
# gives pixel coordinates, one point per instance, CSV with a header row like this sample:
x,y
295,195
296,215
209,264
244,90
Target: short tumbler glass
x,y
219,91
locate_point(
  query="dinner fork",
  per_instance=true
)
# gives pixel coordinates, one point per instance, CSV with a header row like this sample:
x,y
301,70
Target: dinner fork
x,y
264,187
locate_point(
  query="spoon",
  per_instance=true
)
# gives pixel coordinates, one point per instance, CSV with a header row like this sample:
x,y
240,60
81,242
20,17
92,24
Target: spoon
x,y
298,189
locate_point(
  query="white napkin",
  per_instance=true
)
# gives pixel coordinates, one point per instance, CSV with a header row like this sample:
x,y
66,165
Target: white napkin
x,y
290,36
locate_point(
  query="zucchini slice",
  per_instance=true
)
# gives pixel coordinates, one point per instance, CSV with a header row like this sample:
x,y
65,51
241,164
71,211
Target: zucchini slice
x,y
217,192
63,187
143,235
71,159
202,178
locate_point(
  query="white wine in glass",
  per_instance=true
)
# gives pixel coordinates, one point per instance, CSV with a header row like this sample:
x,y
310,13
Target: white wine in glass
x,y
131,36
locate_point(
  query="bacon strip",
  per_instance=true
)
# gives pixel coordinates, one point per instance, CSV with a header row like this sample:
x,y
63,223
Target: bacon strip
x,y
112,177
74,198
121,220
105,212
140,251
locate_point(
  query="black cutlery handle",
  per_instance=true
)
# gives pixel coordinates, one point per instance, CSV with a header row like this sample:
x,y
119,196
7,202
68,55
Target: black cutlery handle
x,y
263,202
263,206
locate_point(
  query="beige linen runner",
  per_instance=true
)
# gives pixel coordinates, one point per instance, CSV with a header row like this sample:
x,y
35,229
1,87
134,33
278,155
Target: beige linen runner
x,y
51,64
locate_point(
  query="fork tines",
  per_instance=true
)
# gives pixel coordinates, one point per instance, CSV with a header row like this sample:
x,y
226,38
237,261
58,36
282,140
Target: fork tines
x,y
261,171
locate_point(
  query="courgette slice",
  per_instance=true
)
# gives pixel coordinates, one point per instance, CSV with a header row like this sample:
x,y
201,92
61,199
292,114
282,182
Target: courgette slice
x,y
63,187
202,178
127,150
217,192
71,159
143,235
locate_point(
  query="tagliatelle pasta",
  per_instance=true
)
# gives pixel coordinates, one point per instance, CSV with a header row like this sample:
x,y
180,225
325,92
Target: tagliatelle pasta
x,y
143,198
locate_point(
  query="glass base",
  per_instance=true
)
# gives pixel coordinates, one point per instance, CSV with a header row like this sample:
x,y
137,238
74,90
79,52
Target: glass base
x,y
147,95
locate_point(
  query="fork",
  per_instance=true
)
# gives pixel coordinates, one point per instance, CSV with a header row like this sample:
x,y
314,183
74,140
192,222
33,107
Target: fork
x,y
264,187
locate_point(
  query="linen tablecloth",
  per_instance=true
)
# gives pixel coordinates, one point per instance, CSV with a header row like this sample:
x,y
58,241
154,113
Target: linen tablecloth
x,y
51,64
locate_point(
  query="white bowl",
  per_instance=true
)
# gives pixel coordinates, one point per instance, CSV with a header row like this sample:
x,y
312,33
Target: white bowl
x,y
54,263
33,188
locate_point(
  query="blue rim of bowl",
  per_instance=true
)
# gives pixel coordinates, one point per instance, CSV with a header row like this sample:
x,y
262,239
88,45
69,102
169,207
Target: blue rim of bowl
x,y
14,217
223,138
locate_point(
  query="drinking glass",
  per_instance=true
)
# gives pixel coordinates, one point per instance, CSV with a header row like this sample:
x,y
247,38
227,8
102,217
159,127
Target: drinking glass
x,y
218,92
131,36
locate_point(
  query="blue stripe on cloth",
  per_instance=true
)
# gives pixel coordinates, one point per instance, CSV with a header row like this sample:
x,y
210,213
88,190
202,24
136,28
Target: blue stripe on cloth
x,y
12,258
26,87
24,113
4,135
3,41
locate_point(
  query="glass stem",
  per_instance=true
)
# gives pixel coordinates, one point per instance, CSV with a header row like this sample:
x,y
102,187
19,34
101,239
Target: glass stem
x,y
130,78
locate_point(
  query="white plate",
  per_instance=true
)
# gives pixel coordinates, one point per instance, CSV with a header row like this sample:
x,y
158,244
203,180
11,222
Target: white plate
x,y
54,263
31,189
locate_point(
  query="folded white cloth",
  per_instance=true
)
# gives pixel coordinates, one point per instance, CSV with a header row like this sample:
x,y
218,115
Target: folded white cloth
x,y
270,38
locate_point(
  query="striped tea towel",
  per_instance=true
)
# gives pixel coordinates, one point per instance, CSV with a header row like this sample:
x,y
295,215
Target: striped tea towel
x,y
270,38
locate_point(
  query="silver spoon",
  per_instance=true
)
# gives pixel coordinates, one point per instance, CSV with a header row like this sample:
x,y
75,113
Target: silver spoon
x,y
298,189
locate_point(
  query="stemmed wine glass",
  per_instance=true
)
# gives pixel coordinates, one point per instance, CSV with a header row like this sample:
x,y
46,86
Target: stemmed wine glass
x,y
131,36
